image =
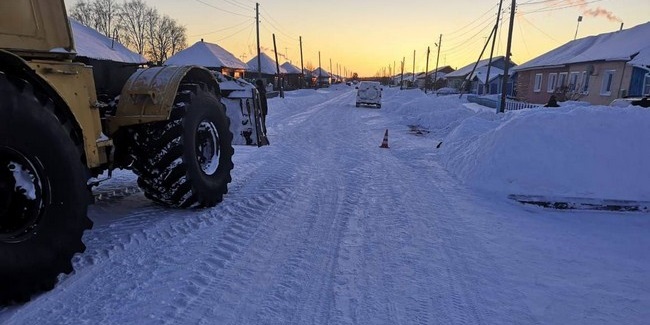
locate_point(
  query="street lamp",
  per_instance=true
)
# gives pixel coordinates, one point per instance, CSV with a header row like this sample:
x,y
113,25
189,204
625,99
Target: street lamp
x,y
579,20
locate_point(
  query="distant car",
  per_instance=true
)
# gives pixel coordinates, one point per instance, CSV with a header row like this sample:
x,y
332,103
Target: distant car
x,y
636,101
369,93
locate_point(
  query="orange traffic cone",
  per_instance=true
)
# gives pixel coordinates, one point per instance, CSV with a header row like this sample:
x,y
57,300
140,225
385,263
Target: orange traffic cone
x,y
384,144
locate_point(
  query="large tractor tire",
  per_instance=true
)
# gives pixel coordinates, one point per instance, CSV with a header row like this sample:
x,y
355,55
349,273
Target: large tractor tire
x,y
186,161
43,194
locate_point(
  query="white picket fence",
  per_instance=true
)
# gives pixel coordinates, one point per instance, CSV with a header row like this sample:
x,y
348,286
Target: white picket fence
x,y
511,105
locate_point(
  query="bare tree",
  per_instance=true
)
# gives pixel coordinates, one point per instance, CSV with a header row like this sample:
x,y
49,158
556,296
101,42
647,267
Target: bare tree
x,y
83,13
106,15
135,16
165,38
139,26
179,38
101,15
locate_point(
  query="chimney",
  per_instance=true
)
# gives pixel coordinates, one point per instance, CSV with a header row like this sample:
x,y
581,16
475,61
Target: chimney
x,y
621,26
201,40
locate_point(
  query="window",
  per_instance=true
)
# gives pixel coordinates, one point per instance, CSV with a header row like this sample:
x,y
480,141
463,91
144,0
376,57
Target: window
x,y
646,85
538,83
585,82
561,81
573,81
606,86
552,82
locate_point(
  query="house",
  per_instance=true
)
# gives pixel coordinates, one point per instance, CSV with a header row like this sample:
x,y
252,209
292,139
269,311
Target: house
x,y
268,71
211,56
596,69
479,80
309,77
293,78
322,77
420,79
456,78
113,64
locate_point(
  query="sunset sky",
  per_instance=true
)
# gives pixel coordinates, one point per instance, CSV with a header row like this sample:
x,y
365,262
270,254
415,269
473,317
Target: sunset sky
x,y
368,37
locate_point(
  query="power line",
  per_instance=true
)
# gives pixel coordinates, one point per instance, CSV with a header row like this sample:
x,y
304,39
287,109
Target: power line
x,y
274,26
237,4
475,20
224,10
221,30
235,33
560,7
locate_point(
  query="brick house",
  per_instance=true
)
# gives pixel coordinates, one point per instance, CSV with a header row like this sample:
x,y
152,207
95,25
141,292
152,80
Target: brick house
x,y
596,69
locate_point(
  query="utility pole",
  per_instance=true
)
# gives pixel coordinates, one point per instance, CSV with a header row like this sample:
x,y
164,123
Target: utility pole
x,y
302,68
401,82
413,67
257,24
331,72
426,70
320,71
277,67
504,87
435,72
494,40
476,64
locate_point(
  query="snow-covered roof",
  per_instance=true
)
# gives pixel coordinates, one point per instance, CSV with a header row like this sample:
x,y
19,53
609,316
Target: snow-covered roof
x,y
616,46
320,72
464,71
643,58
268,64
207,55
481,73
290,68
92,44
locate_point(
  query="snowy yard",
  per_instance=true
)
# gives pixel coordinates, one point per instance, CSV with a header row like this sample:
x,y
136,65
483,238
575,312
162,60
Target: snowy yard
x,y
325,227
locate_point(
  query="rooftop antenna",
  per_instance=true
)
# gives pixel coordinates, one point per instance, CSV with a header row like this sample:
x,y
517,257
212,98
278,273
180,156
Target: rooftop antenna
x,y
579,20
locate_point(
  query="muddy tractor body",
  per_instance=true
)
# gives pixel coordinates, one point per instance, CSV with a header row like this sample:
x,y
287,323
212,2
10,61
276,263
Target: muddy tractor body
x,y
61,132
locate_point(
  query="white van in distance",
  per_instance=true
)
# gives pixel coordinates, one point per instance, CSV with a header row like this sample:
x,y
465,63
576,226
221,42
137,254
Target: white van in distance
x,y
369,93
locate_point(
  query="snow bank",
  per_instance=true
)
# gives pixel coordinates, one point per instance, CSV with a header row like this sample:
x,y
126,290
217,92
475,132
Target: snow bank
x,y
575,150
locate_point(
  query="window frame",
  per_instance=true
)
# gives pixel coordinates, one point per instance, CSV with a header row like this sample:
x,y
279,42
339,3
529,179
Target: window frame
x,y
562,79
584,88
573,82
537,87
607,82
551,83
646,85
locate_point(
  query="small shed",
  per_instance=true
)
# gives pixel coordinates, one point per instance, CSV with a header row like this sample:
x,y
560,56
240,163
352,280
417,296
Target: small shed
x,y
322,77
269,70
293,76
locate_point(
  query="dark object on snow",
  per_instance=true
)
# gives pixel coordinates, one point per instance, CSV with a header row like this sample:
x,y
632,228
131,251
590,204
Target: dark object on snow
x,y
577,203
439,144
644,102
552,102
259,84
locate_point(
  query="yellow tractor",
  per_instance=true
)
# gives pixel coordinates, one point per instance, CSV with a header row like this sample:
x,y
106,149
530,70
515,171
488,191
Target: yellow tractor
x,y
59,133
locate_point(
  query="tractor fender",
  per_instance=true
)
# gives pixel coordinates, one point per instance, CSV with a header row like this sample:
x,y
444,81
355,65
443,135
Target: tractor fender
x,y
148,95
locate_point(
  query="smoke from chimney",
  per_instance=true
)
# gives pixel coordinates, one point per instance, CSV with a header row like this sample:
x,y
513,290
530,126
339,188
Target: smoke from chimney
x,y
598,12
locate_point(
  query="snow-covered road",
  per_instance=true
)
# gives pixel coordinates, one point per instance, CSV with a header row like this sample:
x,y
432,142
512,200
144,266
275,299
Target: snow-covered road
x,y
325,227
